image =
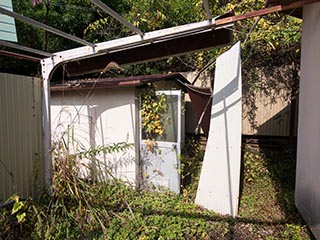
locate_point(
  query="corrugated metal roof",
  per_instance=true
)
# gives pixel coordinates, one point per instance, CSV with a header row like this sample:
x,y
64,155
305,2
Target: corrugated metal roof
x,y
116,82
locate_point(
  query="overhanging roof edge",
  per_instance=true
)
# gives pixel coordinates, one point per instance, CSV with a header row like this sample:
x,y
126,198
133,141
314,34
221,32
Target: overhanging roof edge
x,y
127,43
149,37
149,52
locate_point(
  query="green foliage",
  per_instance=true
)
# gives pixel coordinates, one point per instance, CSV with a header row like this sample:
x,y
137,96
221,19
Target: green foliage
x,y
191,162
106,149
152,108
268,195
270,57
292,231
254,165
152,15
17,209
269,180
104,29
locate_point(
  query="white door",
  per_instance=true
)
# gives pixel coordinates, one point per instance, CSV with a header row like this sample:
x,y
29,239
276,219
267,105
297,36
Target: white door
x,y
161,166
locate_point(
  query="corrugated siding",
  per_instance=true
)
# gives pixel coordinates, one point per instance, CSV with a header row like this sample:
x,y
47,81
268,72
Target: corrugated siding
x,y
20,136
272,118
7,24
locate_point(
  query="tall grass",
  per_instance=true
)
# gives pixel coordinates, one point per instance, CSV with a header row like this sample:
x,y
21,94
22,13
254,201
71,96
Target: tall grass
x,y
87,208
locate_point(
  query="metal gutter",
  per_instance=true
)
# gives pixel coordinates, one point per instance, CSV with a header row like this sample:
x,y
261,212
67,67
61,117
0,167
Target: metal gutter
x,y
261,12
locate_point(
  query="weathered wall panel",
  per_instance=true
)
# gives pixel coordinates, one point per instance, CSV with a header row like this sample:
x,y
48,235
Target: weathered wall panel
x,y
219,183
307,192
20,136
272,117
103,117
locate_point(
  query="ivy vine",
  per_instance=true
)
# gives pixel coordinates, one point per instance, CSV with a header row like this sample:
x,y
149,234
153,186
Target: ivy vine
x,y
153,107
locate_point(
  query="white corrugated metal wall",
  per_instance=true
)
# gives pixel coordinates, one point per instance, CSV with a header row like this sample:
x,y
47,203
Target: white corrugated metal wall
x,y
307,191
21,169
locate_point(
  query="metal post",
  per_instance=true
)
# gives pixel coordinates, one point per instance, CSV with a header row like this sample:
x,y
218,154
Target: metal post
x,y
207,9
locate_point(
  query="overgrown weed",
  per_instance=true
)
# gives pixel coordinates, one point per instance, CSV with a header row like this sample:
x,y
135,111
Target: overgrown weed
x,y
191,163
108,208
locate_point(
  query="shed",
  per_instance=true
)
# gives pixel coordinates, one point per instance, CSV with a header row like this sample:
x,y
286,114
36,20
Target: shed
x,y
92,113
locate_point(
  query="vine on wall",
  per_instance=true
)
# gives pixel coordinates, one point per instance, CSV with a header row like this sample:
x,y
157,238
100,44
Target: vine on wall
x,y
152,108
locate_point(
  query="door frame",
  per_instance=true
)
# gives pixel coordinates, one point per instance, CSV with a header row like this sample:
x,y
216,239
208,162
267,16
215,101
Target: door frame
x,y
180,128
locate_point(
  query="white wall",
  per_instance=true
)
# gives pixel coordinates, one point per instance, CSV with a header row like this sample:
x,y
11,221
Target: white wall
x,y
108,116
219,183
308,153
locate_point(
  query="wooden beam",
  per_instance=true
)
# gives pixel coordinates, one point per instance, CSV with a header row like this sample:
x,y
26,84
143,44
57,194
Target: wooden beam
x,y
264,11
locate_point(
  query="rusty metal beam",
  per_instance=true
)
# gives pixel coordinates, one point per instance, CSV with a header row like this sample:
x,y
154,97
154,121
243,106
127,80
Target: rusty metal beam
x,y
264,11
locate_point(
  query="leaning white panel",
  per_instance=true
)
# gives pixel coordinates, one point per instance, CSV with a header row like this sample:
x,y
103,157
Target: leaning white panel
x,y
218,188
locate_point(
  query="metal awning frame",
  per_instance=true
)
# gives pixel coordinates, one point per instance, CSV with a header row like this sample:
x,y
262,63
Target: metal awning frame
x,y
122,44
126,43
23,48
207,9
49,64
